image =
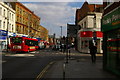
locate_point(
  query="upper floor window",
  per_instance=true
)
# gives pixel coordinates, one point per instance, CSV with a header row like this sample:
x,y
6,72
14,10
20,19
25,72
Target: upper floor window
x,y
4,12
4,25
12,17
17,9
20,11
109,2
9,28
82,25
0,11
85,25
0,23
12,28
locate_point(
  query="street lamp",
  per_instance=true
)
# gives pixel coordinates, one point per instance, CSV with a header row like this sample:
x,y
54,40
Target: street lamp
x,y
61,31
94,32
61,38
7,29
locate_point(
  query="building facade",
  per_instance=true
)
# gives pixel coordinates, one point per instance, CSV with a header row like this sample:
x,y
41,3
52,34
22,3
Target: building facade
x,y
111,37
90,21
27,22
43,33
7,23
72,30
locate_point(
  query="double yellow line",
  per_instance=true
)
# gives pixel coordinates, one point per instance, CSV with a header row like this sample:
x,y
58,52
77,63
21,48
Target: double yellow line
x,y
44,71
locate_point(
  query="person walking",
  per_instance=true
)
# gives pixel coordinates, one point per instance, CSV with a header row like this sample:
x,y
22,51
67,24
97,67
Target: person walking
x,y
93,51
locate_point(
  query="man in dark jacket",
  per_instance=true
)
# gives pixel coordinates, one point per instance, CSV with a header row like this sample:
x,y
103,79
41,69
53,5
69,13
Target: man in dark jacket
x,y
93,51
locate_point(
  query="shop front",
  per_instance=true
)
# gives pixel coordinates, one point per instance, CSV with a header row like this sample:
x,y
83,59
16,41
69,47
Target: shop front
x,y
85,37
3,37
111,41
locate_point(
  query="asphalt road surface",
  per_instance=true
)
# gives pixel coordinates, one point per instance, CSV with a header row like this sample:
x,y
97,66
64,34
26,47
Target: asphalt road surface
x,y
14,67
29,67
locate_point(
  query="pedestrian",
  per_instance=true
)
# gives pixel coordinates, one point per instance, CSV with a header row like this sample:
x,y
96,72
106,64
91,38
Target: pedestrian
x,y
93,51
64,48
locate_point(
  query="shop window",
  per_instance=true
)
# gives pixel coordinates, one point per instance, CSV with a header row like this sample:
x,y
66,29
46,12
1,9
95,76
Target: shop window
x,y
113,50
86,44
82,43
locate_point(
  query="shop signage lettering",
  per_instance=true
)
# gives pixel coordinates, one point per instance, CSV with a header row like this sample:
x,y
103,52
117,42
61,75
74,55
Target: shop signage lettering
x,y
3,33
3,37
111,20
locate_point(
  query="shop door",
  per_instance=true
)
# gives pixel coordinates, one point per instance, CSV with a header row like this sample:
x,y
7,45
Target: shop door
x,y
113,50
2,45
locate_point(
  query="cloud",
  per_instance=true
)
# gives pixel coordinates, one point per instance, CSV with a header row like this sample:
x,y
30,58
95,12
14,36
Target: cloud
x,y
53,15
61,0
51,0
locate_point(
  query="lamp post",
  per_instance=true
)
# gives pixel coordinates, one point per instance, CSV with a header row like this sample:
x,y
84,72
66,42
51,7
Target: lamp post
x,y
61,31
94,32
7,29
61,39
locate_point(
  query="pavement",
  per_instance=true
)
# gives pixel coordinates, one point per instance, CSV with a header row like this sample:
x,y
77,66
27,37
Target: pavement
x,y
79,69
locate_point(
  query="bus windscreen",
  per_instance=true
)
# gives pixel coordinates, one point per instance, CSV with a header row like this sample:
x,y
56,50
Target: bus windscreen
x,y
17,40
31,43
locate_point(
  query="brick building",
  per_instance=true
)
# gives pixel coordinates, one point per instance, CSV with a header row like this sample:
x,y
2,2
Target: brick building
x,y
27,22
89,18
43,33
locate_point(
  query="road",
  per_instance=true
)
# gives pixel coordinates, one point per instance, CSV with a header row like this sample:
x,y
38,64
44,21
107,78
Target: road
x,y
28,66
31,66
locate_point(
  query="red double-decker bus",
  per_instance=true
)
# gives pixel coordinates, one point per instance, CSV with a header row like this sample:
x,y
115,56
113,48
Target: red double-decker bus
x,y
23,44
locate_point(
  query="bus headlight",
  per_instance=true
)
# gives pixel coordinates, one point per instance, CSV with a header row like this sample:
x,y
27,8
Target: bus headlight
x,y
17,47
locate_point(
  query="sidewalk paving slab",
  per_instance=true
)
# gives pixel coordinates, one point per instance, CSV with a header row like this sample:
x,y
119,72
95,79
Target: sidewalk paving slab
x,y
78,70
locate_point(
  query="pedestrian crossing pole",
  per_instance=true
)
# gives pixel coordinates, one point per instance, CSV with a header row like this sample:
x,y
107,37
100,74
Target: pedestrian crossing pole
x,y
64,66
94,37
7,46
66,49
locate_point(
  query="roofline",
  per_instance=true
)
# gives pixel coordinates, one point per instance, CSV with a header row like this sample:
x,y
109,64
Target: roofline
x,y
28,10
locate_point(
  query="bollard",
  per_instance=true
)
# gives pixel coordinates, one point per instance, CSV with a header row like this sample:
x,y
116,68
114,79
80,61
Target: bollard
x,y
67,56
69,53
64,71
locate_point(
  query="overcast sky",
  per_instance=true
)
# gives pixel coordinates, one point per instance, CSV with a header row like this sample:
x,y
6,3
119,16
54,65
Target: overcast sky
x,y
54,14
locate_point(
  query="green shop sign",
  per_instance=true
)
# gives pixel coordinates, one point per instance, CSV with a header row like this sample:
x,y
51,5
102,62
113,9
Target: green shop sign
x,y
111,20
